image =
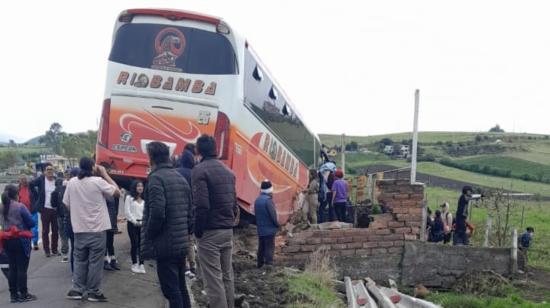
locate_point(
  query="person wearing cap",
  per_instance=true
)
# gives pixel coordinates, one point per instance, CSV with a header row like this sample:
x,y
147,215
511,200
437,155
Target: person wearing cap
x,y
266,224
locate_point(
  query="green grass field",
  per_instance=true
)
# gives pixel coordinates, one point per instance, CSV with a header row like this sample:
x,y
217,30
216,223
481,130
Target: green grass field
x,y
537,215
484,180
423,137
25,149
517,166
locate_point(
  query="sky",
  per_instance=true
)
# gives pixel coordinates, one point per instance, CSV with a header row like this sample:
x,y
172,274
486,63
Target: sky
x,y
348,66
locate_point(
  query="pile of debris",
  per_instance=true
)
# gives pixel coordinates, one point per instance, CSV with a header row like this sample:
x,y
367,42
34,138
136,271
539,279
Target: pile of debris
x,y
483,283
367,294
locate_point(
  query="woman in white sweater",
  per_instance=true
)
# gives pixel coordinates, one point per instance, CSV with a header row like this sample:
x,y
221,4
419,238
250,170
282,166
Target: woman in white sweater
x,y
133,208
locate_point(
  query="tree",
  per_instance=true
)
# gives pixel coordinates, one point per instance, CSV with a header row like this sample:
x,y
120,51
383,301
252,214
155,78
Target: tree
x,y
496,129
7,159
12,143
54,137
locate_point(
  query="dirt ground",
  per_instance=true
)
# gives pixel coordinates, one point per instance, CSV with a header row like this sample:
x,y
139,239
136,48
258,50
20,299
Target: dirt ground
x,y
534,285
264,287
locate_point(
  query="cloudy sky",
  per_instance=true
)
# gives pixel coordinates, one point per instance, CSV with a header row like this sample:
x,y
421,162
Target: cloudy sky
x,y
348,66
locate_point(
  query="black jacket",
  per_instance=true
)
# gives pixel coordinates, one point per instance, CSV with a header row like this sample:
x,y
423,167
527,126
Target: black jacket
x,y
57,198
38,193
166,215
186,164
214,196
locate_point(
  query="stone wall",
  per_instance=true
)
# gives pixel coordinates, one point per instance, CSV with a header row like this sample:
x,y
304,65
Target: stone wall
x,y
436,265
375,251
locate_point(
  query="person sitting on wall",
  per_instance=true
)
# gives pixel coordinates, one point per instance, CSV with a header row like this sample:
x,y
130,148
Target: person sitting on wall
x,y
437,230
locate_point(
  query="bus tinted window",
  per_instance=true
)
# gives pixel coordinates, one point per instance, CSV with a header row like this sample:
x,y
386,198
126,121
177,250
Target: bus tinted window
x,y
177,49
276,113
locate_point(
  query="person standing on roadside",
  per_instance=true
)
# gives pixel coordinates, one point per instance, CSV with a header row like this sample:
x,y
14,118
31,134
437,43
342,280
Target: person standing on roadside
x,y
18,248
312,197
67,219
57,204
165,230
185,166
266,223
215,209
133,209
110,261
460,237
85,198
26,197
43,186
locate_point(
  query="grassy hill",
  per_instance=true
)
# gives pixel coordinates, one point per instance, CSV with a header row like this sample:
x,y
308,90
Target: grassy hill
x,y
425,137
522,156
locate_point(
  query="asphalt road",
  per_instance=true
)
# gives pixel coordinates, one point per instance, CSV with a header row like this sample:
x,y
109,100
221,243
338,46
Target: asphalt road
x,y
50,280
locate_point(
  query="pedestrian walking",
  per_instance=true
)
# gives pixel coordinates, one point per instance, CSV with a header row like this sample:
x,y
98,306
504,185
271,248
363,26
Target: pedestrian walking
x,y
16,225
267,224
215,206
165,230
133,209
26,197
57,204
340,195
460,237
43,186
84,197
185,166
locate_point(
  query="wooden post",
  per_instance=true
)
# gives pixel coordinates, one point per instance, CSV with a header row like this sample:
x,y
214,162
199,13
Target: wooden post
x,y
514,257
487,230
522,215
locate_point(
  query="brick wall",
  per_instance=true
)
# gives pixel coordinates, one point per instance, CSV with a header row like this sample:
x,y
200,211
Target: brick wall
x,y
357,251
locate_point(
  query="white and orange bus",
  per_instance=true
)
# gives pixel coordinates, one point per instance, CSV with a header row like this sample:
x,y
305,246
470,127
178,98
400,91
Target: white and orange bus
x,y
174,75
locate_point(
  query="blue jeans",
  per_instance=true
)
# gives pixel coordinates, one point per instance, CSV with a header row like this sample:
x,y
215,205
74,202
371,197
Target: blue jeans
x,y
35,229
323,206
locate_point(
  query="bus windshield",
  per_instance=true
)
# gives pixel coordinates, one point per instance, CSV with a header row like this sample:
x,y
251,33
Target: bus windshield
x,y
171,48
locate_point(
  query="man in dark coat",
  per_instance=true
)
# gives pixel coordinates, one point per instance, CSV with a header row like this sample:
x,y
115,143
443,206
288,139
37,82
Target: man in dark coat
x,y
460,237
266,223
185,166
165,230
42,188
215,207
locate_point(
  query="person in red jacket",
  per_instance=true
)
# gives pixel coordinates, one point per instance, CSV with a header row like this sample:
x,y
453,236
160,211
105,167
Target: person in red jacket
x,y
25,197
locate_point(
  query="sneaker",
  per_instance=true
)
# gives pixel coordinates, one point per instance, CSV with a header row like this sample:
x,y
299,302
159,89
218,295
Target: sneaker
x,y
27,298
96,297
14,298
48,254
135,269
142,269
74,295
65,259
35,246
114,265
107,266
55,253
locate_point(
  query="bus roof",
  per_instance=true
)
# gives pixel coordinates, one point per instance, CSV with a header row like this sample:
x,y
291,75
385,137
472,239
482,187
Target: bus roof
x,y
127,15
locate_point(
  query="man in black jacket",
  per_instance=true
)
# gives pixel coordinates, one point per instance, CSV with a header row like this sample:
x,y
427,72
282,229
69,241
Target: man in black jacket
x,y
166,224
215,207
42,188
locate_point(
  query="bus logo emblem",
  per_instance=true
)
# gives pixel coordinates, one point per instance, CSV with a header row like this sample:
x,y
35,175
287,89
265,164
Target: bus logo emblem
x,y
126,137
169,45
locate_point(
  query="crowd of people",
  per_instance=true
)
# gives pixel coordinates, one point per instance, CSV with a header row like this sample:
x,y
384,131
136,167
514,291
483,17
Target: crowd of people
x,y
179,207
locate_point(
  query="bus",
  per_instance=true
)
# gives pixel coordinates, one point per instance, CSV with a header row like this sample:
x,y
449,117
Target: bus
x,y
175,75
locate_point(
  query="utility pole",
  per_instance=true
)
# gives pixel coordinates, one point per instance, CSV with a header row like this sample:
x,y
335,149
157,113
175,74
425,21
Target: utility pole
x,y
415,136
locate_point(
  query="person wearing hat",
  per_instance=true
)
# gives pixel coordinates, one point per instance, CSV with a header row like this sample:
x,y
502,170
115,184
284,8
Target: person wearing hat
x,y
266,224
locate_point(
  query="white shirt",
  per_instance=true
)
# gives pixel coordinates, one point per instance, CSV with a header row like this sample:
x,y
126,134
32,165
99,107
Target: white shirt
x,y
86,200
49,188
133,209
